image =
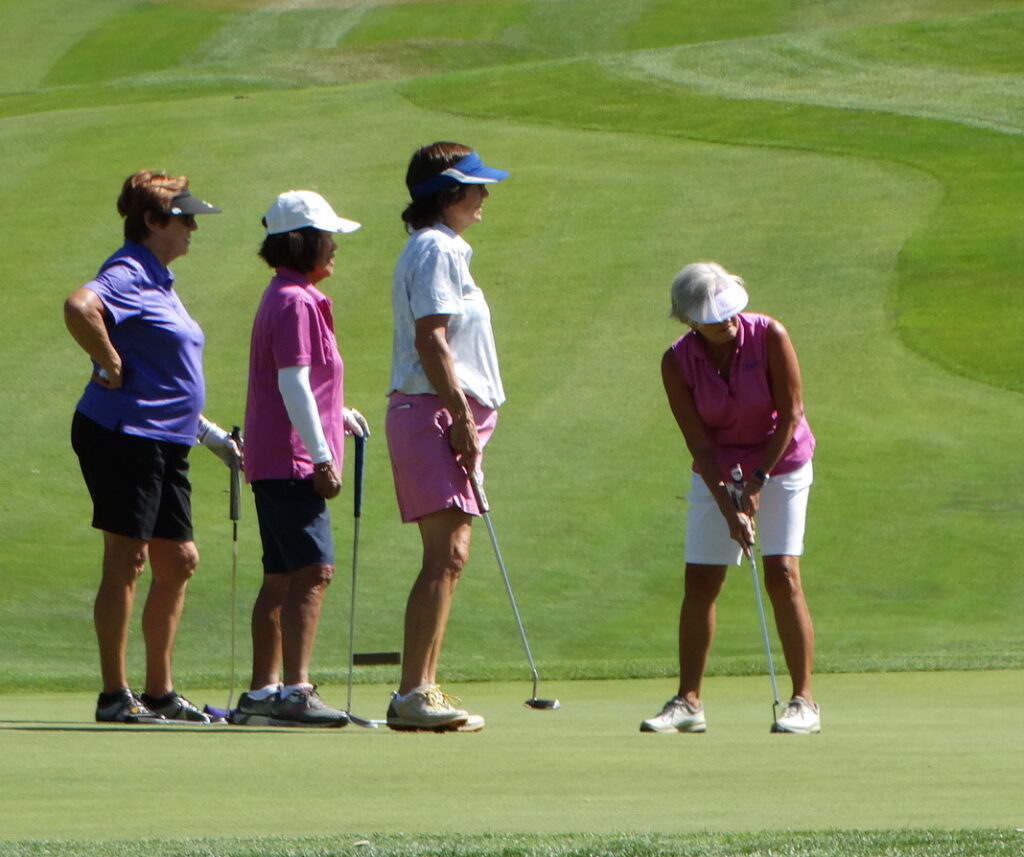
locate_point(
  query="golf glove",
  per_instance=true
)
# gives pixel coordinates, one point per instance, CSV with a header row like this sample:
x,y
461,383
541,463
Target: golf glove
x,y
355,423
218,441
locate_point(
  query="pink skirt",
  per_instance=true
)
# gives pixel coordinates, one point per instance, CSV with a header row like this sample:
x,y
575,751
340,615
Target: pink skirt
x,y
427,476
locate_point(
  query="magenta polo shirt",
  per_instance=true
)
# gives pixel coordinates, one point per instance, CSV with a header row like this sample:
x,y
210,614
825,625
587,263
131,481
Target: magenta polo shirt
x,y
739,415
294,326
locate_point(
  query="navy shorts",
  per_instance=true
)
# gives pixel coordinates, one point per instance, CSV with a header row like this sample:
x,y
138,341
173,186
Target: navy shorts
x,y
295,527
139,486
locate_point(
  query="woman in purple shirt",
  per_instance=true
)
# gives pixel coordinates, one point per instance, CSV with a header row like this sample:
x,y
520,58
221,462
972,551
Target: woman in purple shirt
x,y
733,384
132,431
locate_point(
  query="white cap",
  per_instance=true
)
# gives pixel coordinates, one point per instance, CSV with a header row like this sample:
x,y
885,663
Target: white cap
x,y
298,209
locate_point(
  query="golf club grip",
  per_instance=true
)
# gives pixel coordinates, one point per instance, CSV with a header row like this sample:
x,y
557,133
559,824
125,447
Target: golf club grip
x,y
357,503
235,499
736,492
478,490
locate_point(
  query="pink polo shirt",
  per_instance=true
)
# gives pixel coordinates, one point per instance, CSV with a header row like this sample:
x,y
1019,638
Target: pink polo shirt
x,y
739,415
294,326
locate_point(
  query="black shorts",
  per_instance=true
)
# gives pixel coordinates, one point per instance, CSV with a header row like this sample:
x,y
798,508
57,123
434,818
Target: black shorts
x,y
139,487
295,527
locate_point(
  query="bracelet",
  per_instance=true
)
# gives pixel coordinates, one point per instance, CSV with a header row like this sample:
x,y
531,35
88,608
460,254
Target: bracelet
x,y
760,476
324,466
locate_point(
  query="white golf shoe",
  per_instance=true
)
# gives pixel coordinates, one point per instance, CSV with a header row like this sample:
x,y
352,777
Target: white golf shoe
x,y
800,717
677,716
430,709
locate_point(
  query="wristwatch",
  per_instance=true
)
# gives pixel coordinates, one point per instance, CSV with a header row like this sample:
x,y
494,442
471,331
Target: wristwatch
x,y
760,476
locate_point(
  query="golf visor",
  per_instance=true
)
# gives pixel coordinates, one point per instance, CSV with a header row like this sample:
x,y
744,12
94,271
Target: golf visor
x,y
468,170
185,203
724,299
299,209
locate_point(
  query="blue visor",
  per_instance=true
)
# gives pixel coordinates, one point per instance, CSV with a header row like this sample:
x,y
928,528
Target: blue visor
x,y
468,170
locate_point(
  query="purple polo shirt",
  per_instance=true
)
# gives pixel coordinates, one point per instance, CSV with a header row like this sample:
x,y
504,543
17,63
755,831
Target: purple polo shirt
x,y
294,326
160,346
739,415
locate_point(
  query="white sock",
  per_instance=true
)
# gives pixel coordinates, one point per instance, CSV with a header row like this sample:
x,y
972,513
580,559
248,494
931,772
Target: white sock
x,y
264,692
289,689
403,697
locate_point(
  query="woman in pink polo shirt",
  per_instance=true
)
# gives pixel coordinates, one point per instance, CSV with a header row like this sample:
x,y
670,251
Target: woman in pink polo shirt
x,y
733,384
295,423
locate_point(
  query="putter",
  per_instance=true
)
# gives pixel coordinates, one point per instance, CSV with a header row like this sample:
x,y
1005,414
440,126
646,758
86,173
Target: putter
x,y
736,491
481,499
234,513
357,510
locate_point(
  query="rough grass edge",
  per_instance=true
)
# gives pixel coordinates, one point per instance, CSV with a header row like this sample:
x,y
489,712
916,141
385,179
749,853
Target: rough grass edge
x,y
834,843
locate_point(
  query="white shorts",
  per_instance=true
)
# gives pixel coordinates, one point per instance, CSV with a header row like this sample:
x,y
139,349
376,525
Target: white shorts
x,y
781,519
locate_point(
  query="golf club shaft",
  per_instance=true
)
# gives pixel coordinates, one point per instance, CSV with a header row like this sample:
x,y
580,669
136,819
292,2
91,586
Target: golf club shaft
x,y
234,513
357,511
481,500
737,494
764,624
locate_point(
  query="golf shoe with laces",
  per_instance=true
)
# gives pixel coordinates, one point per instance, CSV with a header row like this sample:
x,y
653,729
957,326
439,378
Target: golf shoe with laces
x,y
429,709
677,716
304,707
253,712
124,707
175,707
800,717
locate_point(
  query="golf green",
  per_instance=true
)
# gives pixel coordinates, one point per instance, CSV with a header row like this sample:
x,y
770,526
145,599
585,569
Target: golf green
x,y
914,750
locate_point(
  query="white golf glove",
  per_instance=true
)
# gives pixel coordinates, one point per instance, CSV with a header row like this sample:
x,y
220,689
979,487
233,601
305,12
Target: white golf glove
x,y
218,441
355,423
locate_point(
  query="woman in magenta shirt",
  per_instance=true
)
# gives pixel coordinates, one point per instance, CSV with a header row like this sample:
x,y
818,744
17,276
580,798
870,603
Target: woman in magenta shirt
x,y
733,384
295,425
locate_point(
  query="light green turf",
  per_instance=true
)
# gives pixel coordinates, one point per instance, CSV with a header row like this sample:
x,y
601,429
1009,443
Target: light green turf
x,y
894,754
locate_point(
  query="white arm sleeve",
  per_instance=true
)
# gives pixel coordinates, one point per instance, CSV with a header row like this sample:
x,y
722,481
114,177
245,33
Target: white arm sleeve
x,y
293,382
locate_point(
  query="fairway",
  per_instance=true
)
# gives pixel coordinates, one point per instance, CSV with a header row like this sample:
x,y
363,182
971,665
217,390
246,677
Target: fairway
x,y
889,758
859,164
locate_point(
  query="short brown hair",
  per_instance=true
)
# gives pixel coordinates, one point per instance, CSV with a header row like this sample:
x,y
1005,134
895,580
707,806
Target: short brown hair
x,y
147,191
427,162
299,249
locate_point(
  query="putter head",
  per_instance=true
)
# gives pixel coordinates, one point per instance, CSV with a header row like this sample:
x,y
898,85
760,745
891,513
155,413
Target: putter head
x,y
776,729
542,704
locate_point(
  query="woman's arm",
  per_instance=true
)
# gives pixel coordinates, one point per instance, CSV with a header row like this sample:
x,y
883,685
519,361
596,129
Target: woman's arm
x,y
439,367
84,316
787,394
680,400
299,402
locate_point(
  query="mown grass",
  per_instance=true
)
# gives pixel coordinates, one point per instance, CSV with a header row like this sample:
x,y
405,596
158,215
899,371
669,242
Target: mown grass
x,y
861,228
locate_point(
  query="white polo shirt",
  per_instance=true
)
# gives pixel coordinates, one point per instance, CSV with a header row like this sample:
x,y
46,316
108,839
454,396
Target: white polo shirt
x,y
432,278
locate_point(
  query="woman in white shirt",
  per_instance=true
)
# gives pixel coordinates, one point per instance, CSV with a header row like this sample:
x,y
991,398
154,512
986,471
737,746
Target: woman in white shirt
x,y
444,393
